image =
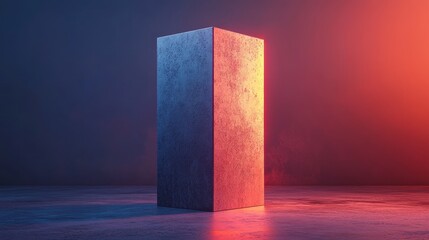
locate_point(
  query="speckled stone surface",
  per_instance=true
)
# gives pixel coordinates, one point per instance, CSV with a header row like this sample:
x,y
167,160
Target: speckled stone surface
x,y
210,120
238,120
185,120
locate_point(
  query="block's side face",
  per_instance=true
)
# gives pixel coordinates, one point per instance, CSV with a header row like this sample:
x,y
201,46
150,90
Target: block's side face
x,y
238,120
185,120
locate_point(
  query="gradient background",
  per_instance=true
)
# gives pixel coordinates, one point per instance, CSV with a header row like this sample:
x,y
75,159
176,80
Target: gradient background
x,y
346,88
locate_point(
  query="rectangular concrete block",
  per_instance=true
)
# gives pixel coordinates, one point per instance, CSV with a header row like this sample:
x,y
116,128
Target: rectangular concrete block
x,y
210,116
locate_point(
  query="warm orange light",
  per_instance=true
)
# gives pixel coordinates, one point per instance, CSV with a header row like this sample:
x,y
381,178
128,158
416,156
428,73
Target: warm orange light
x,y
238,120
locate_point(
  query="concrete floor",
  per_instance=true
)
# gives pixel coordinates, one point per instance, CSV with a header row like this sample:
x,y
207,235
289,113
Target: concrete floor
x,y
289,213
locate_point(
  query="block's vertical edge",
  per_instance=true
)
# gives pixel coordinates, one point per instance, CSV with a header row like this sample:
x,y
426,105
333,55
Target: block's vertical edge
x,y
159,201
185,120
213,126
213,86
263,111
238,120
263,120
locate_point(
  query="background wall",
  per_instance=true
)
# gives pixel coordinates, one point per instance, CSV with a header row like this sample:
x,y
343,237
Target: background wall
x,y
346,88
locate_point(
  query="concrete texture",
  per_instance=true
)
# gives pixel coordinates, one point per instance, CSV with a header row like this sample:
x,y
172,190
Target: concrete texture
x,y
185,120
289,213
210,120
238,120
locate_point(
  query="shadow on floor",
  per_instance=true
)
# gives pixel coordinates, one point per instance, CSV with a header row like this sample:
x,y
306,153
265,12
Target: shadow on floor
x,y
59,213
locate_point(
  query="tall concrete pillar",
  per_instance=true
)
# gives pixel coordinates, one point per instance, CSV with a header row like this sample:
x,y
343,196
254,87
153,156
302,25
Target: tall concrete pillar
x,y
210,117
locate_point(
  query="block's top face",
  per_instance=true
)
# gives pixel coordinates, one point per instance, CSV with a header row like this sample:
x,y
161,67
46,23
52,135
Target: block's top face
x,y
221,31
185,120
238,102
212,29
207,30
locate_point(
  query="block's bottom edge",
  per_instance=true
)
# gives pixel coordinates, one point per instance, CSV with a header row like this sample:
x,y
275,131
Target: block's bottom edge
x,y
236,208
209,209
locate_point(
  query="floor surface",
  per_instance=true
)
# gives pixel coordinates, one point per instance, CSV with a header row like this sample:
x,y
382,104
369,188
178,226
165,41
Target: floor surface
x,y
289,213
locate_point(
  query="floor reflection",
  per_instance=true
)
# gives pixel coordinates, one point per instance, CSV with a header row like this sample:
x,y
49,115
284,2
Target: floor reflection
x,y
246,223
289,213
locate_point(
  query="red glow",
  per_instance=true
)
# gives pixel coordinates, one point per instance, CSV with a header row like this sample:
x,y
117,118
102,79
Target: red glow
x,y
348,85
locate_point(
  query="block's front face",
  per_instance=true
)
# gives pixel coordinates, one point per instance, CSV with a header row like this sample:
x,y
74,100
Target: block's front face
x,y
238,120
185,120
